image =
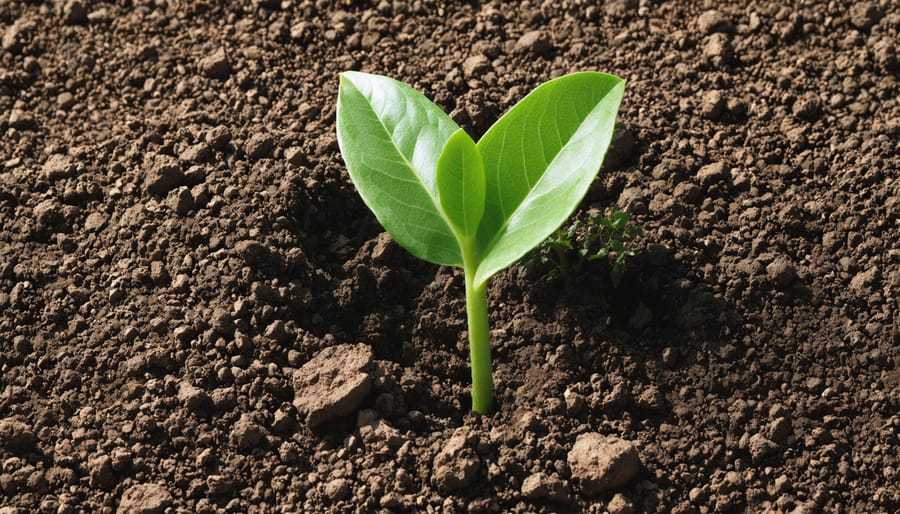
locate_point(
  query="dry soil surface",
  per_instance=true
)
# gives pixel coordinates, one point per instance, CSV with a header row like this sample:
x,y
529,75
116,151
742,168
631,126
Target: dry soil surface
x,y
198,314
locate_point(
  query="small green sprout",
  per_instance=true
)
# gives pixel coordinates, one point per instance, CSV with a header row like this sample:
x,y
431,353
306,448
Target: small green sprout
x,y
597,237
479,206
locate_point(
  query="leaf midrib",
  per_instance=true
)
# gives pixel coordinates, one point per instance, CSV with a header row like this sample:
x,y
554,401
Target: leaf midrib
x,y
502,228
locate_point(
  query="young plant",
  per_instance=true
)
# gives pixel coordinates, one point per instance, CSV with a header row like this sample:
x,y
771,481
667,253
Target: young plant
x,y
479,206
597,237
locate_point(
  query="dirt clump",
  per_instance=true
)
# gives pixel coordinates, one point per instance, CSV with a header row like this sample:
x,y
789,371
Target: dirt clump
x,y
333,383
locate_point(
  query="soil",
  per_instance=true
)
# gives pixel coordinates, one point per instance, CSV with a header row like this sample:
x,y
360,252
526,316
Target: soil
x,y
179,237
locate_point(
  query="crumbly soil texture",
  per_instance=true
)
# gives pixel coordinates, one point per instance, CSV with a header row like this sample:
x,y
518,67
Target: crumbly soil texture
x,y
198,314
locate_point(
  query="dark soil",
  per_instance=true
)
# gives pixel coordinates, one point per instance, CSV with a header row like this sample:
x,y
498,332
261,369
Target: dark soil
x,y
178,235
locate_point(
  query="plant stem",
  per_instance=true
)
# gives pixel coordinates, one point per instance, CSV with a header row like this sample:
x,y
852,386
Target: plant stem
x,y
479,335
479,347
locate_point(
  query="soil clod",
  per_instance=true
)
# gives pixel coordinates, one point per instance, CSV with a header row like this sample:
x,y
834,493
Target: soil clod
x,y
144,499
333,383
600,463
456,465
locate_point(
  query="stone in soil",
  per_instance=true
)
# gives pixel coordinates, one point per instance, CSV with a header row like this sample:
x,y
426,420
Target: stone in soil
x,y
600,463
333,383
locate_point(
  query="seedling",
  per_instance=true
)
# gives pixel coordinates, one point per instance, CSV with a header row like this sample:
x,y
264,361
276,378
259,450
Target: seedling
x,y
479,206
597,237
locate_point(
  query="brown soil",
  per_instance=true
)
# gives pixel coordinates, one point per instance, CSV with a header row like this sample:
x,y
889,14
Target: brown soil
x,y
178,235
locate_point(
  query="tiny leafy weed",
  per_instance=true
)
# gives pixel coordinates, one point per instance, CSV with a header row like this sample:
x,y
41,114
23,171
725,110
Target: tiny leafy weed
x,y
596,237
479,205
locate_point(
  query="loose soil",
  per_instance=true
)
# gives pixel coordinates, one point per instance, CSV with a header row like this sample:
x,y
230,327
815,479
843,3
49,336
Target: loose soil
x,y
179,236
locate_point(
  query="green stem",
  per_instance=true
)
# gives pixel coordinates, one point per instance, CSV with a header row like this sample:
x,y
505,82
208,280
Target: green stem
x,y
479,335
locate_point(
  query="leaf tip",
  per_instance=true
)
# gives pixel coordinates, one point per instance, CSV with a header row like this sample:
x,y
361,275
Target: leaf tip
x,y
348,76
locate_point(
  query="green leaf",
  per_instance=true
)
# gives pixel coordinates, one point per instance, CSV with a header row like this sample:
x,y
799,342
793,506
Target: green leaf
x,y
391,137
539,160
460,180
